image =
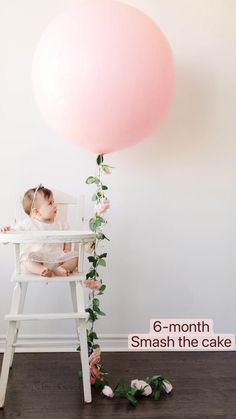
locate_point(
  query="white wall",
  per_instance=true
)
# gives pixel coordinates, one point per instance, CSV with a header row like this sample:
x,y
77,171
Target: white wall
x,y
172,220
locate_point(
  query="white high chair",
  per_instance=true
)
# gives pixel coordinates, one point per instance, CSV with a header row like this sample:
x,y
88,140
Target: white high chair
x,y
78,238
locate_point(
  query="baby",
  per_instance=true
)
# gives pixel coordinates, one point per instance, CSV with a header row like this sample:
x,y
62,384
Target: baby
x,y
43,259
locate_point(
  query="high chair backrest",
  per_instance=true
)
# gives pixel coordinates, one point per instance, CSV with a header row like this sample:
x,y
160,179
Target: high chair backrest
x,y
70,209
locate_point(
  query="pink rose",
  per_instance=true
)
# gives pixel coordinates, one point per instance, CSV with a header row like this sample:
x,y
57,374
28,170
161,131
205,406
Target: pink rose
x,y
92,379
167,386
95,372
95,356
103,205
139,384
107,391
89,247
93,284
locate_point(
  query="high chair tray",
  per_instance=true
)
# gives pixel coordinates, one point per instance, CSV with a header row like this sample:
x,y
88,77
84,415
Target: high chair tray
x,y
54,236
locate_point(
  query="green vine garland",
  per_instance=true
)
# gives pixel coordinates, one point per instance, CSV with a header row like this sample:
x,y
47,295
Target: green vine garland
x,y
154,385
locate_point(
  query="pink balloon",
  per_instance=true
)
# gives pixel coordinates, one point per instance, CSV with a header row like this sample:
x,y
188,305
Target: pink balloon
x,y
103,75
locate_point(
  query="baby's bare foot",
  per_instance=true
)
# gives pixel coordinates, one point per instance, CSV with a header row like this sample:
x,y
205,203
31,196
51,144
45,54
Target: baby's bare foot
x,y
60,271
46,272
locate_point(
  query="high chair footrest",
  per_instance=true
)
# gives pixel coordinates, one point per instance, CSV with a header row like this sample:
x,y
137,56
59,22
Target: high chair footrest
x,y
47,316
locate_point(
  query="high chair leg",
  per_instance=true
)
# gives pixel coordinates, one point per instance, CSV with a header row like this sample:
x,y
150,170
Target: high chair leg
x,y
74,303
84,362
24,286
6,361
83,345
11,332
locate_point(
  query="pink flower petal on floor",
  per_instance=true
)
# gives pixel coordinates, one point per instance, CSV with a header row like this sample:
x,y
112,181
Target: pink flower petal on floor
x,y
139,384
107,391
167,387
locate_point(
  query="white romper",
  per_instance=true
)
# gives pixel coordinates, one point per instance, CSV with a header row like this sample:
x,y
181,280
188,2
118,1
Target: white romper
x,y
50,254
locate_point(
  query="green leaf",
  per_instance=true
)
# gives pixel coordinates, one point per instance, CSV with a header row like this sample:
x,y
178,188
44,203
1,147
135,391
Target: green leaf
x,y
100,383
80,374
103,287
92,224
119,385
96,302
92,335
96,308
101,236
106,168
102,262
92,314
100,219
153,379
133,391
103,255
90,179
99,159
100,312
157,395
94,197
104,187
131,399
91,274
96,222
88,310
91,259
102,369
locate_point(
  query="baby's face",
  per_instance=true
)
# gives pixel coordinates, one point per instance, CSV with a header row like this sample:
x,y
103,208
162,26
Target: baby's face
x,y
47,208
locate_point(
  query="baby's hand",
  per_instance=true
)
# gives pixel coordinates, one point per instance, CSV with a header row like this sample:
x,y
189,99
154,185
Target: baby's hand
x,y
5,229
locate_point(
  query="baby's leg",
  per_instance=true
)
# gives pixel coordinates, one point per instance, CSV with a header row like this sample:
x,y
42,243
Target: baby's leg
x,y
37,268
66,268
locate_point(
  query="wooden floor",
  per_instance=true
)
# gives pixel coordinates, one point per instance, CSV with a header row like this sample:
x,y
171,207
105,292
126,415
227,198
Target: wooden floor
x,y
45,386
